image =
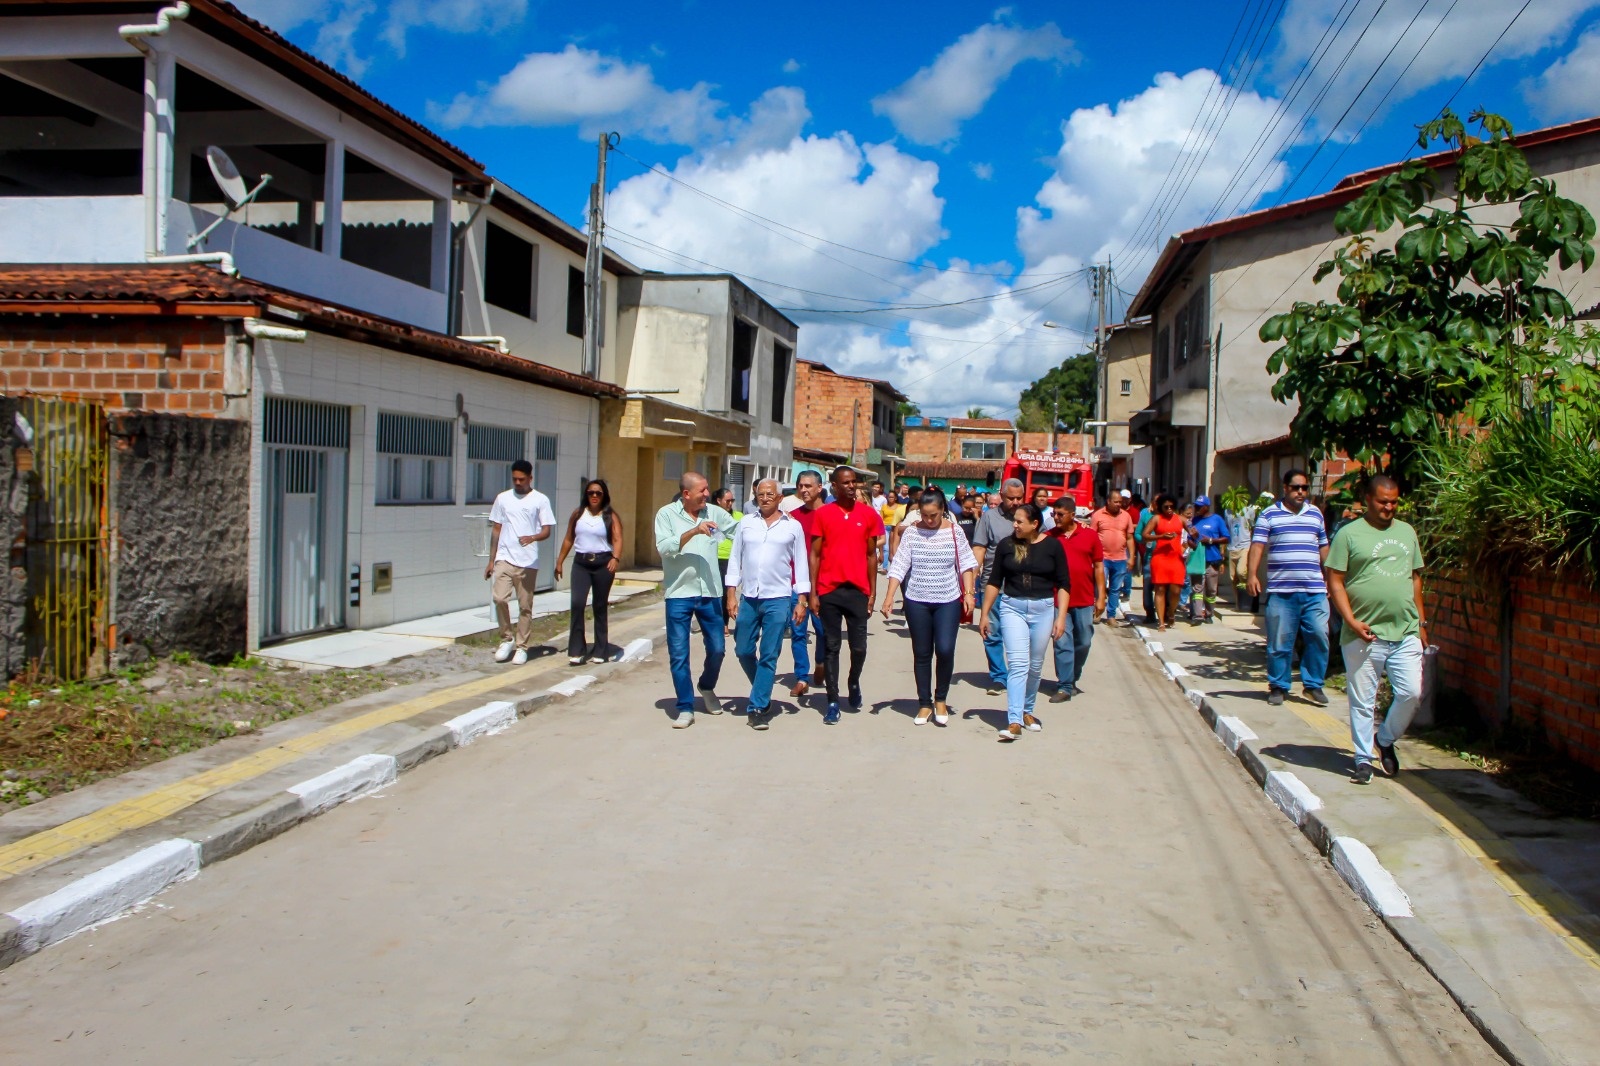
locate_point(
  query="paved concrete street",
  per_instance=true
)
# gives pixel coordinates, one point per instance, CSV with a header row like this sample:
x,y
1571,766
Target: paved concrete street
x,y
593,886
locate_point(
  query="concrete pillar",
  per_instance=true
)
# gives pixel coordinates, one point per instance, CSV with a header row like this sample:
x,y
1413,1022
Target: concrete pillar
x,y
439,264
160,81
333,201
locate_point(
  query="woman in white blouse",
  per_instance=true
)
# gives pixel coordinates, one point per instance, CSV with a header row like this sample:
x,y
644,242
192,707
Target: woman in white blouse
x,y
936,568
594,531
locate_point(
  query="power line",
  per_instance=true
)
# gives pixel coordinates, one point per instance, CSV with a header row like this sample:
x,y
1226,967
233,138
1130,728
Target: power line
x,y
758,218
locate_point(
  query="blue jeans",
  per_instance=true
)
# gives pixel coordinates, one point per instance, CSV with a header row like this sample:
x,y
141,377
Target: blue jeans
x,y
1072,650
1364,664
1149,590
1025,627
1116,570
1297,613
933,638
762,623
994,651
679,610
800,640
1127,581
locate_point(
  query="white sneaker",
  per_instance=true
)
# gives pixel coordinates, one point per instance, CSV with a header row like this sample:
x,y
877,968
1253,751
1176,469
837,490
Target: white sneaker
x,y
503,652
576,660
709,701
684,720
520,657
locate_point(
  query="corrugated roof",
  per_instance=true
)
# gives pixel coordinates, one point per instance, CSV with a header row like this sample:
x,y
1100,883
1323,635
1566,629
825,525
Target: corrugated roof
x,y
966,468
182,289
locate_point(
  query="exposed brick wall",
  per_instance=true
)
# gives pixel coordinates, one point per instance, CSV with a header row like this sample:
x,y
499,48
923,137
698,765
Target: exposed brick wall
x,y
1553,639
928,444
822,411
126,364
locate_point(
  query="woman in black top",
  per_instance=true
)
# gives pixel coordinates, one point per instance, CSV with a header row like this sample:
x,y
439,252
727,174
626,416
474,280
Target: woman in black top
x,y
1027,597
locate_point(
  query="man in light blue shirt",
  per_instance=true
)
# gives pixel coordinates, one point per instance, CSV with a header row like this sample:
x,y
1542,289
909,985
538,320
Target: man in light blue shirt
x,y
687,532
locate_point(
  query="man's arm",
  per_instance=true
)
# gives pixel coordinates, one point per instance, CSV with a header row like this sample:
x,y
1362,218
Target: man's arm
x,y
815,555
669,543
1340,597
1257,581
494,548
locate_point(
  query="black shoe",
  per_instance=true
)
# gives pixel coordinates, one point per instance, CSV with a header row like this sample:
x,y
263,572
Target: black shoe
x,y
1363,774
760,719
1391,761
1275,697
855,700
1317,696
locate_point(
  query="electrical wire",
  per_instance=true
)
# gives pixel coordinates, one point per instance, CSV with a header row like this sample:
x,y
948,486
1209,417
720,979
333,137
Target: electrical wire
x,y
759,219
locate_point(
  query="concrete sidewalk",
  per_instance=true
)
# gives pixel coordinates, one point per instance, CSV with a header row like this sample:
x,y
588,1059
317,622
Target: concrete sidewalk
x,y
1500,899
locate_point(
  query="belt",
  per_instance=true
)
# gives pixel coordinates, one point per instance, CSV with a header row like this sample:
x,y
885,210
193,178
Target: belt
x,y
593,557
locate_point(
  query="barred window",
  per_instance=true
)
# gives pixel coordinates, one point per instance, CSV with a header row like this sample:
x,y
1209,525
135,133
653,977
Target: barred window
x,y
414,459
490,452
545,448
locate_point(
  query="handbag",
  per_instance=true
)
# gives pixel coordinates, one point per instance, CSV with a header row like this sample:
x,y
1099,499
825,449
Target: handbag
x,y
955,534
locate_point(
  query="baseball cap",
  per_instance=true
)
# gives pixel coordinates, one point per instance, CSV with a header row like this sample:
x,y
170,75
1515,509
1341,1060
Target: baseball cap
x,y
1083,514
1125,494
1202,501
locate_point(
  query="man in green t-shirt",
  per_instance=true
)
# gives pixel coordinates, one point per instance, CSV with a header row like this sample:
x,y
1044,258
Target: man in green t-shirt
x,y
1375,583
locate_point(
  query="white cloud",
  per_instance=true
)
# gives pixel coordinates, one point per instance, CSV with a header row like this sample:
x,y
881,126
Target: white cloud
x,y
577,86
454,16
791,66
931,105
1456,46
983,171
1570,87
340,23
1114,162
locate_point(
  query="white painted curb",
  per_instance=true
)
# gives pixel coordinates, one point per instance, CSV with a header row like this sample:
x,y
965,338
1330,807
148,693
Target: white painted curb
x,y
1174,671
637,650
573,685
1292,796
1142,633
1363,872
105,893
345,782
1153,647
485,721
1232,732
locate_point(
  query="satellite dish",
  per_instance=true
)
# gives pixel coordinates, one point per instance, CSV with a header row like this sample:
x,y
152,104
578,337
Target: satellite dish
x,y
229,180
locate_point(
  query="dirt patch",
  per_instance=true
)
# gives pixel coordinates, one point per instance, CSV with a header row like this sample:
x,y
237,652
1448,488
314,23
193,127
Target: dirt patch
x,y
55,738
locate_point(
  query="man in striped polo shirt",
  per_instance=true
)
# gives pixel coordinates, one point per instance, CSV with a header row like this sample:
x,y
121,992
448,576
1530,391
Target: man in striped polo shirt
x,y
1290,544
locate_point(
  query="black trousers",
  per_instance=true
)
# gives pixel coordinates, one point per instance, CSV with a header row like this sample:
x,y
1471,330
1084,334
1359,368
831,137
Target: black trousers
x,y
590,573
844,607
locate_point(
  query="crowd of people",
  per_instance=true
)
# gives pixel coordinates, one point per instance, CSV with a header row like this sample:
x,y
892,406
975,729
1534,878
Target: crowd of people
x,y
1033,576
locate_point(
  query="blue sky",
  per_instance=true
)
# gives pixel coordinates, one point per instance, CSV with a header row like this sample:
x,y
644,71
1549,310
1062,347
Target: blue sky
x,y
900,155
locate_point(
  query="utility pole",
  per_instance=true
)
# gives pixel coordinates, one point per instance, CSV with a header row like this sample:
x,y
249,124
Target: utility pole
x,y
1102,282
593,289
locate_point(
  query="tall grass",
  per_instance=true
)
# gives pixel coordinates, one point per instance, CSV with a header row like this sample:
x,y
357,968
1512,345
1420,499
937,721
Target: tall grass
x,y
1520,497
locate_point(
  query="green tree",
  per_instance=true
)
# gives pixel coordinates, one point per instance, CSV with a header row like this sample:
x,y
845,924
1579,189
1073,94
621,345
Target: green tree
x,y
1456,319
977,412
1071,385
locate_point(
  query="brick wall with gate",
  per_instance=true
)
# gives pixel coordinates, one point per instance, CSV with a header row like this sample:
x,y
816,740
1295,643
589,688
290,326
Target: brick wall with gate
x,y
1529,652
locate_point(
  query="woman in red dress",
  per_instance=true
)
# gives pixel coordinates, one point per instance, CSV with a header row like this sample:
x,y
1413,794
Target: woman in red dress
x,y
1164,535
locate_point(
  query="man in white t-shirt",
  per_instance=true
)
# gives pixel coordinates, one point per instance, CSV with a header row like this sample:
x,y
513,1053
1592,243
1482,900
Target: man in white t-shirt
x,y
521,518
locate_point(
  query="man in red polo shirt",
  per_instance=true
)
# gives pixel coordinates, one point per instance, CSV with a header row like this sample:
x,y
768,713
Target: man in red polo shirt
x,y
1086,595
846,536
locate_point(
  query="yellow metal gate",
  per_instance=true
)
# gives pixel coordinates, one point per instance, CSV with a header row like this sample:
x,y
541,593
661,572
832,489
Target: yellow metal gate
x,y
68,556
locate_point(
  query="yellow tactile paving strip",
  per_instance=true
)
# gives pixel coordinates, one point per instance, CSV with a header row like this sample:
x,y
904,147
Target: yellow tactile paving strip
x,y
1547,903
150,807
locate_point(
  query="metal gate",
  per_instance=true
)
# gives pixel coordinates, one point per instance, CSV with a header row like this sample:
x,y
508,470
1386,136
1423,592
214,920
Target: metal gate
x,y
305,463
68,547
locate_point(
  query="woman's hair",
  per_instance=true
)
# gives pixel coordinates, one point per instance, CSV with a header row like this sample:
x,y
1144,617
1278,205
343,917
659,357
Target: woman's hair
x,y
932,494
605,500
1165,498
1019,548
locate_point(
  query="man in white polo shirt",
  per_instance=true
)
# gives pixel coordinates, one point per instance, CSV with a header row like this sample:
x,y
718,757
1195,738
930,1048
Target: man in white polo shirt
x,y
521,518
770,565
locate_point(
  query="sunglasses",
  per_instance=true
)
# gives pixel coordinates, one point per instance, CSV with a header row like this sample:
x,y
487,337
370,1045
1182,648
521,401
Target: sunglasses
x,y
594,492
1298,488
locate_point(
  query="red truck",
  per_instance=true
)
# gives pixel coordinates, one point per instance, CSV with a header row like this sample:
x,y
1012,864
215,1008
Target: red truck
x,y
1059,474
